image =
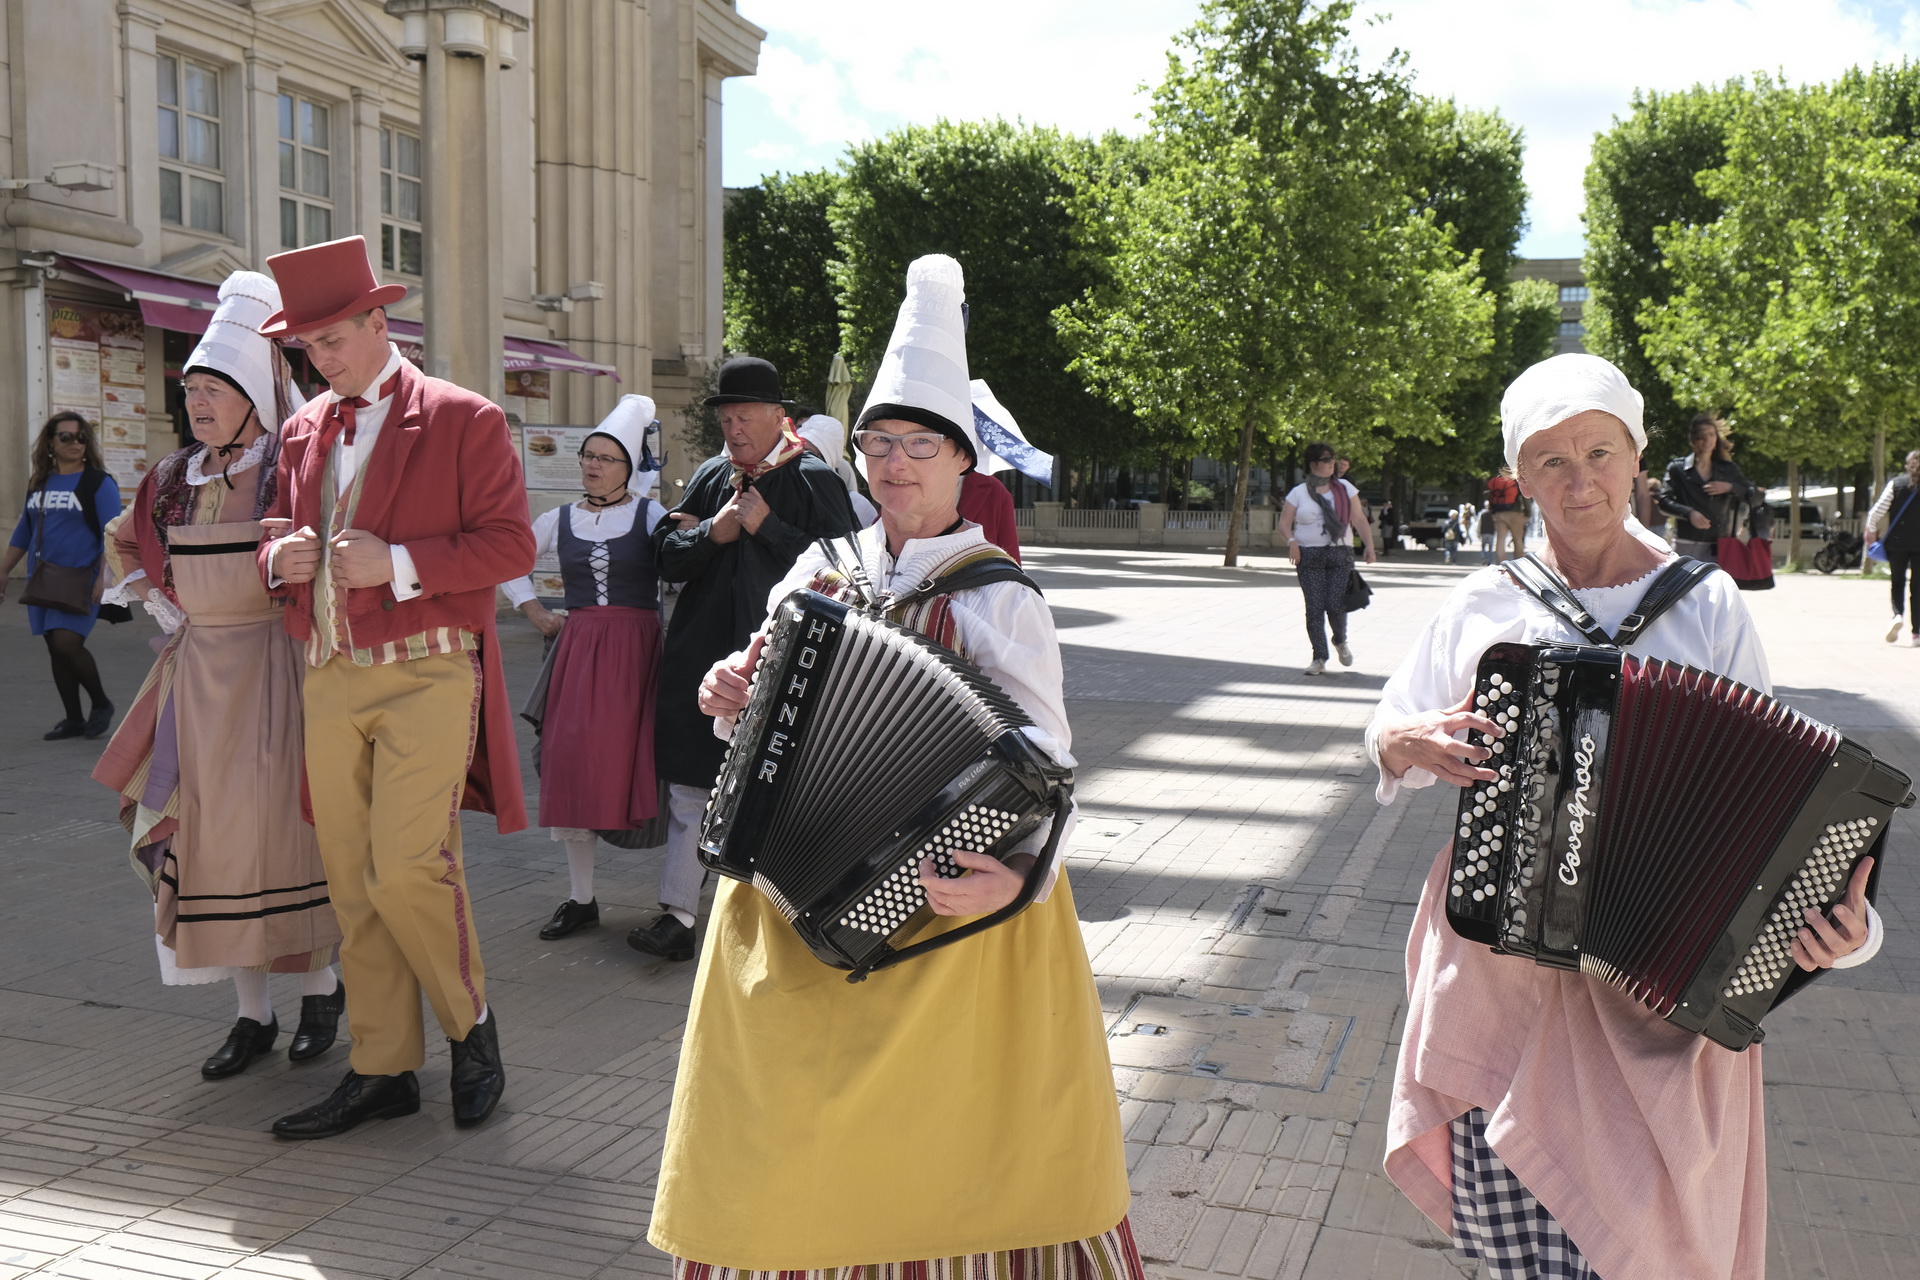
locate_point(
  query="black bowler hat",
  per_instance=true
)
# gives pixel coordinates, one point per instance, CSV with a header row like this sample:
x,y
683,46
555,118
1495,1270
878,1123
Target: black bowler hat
x,y
747,380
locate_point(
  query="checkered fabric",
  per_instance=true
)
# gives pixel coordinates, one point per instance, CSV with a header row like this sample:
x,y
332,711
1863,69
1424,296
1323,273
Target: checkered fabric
x,y
1497,1220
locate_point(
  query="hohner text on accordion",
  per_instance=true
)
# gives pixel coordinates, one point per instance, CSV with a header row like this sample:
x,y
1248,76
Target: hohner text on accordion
x,y
788,712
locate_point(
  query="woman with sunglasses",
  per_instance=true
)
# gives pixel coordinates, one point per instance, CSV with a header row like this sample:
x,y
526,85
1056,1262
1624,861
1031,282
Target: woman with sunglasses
x,y
1315,519
70,500
596,717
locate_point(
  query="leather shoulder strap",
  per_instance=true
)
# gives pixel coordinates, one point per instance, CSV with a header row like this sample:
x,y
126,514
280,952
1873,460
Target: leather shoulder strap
x,y
1674,582
1532,575
978,573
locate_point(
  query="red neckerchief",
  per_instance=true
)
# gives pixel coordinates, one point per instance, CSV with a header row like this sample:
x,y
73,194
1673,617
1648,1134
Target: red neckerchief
x,y
786,450
346,413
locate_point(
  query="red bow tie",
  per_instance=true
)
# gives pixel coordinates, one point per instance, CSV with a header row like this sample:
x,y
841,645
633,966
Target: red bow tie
x,y
346,413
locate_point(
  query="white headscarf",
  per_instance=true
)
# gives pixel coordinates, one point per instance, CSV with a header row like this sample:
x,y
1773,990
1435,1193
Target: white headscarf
x,y
1554,390
829,436
234,347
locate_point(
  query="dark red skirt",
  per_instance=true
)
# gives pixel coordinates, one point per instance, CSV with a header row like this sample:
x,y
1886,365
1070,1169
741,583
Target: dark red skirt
x,y
596,742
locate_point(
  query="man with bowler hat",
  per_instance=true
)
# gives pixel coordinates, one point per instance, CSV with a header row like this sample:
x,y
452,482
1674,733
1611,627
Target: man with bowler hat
x,y
746,517
400,507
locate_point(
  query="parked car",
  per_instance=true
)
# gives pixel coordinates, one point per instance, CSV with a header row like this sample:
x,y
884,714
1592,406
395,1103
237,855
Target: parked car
x,y
1813,522
1433,518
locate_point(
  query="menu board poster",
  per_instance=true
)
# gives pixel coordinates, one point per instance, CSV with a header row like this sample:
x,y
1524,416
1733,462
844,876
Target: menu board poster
x,y
551,456
528,395
97,367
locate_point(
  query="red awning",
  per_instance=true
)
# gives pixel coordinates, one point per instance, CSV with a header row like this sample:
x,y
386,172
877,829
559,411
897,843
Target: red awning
x,y
184,304
166,301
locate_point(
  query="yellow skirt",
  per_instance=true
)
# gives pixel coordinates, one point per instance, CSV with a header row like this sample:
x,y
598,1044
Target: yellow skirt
x,y
960,1103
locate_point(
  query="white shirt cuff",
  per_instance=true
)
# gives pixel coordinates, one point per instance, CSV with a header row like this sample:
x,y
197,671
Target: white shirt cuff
x,y
1876,934
406,579
519,591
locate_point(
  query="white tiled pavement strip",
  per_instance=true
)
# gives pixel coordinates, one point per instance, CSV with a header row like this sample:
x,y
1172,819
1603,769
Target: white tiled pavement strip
x,y
1244,900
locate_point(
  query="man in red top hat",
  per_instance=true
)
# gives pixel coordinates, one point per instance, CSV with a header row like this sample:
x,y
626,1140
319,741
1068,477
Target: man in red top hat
x,y
400,506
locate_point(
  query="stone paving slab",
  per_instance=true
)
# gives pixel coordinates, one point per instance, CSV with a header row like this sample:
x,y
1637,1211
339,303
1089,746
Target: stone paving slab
x,y
1244,900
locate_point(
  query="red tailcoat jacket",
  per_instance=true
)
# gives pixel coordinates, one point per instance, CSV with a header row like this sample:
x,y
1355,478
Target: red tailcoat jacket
x,y
444,482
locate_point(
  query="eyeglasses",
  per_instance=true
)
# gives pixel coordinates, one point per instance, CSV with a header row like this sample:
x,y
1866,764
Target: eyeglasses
x,y
69,437
603,459
878,444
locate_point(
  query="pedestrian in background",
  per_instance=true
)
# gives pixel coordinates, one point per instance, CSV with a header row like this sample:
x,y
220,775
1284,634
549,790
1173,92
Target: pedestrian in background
x,y
70,500
225,689
1704,492
1483,526
1315,519
1509,517
1450,533
1897,527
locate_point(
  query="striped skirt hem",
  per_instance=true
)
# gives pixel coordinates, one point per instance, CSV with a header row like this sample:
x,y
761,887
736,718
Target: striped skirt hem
x,y
1112,1255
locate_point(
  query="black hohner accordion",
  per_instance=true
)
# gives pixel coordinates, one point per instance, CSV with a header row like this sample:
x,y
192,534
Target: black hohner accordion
x,y
864,748
1660,828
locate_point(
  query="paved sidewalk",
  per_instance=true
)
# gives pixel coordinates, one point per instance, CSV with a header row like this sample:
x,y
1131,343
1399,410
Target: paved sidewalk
x,y
1244,899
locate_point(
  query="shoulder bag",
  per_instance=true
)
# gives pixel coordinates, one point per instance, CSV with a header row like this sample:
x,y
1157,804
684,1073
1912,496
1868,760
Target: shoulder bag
x,y
66,588
1877,549
1747,560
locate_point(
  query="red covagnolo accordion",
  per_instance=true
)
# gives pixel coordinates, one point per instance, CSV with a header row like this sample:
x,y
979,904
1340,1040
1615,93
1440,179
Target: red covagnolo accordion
x,y
1660,828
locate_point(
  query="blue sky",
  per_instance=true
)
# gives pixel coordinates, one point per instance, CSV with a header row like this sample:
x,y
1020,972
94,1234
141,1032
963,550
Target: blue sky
x,y
839,71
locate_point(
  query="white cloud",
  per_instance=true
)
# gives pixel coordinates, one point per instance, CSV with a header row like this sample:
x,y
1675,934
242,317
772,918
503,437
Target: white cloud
x,y
839,71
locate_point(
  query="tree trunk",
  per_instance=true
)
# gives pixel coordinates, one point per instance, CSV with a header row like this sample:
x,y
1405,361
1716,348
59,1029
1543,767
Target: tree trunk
x,y
1793,512
1238,512
1879,459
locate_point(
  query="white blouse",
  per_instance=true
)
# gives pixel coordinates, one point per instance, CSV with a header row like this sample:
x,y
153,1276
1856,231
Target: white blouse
x,y
1708,628
589,524
1310,523
1006,629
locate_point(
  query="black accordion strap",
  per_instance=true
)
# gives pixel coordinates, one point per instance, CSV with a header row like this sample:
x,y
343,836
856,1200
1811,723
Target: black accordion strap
x,y
1036,876
978,574
1532,575
850,568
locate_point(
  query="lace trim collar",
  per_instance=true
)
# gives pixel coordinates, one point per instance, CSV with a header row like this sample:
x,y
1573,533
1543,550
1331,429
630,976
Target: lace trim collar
x,y
248,459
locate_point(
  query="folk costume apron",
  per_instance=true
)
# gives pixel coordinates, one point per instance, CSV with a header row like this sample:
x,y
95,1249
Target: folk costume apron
x,y
208,764
961,1103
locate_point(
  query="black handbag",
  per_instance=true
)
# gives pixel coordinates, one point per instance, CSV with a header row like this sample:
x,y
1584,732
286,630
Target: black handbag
x,y
1359,594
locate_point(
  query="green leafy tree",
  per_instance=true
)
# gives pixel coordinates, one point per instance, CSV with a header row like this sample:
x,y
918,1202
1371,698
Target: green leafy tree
x,y
778,294
1271,278
1642,177
1798,307
996,196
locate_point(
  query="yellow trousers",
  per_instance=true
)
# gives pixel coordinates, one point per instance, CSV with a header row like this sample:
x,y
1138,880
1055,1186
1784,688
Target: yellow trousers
x,y
387,754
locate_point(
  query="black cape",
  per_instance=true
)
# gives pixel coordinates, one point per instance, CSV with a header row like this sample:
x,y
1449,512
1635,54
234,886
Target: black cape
x,y
723,592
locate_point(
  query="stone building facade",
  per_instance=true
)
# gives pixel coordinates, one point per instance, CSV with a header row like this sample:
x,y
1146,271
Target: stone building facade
x,y
544,176
1569,275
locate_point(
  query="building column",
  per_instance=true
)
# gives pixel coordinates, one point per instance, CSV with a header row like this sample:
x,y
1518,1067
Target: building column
x,y
361,207
139,30
259,176
460,132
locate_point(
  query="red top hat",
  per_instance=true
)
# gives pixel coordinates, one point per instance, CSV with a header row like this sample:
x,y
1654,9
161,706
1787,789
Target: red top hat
x,y
323,283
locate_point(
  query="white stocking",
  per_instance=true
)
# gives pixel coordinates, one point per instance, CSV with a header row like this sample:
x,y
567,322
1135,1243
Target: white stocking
x,y
580,851
320,982
251,986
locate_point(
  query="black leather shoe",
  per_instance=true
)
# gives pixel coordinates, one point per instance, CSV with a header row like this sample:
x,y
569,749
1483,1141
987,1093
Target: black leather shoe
x,y
665,937
65,729
569,916
100,721
248,1040
358,1098
319,1023
478,1080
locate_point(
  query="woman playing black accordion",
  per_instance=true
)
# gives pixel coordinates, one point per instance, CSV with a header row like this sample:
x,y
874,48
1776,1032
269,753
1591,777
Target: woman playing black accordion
x,y
953,1114
1557,1126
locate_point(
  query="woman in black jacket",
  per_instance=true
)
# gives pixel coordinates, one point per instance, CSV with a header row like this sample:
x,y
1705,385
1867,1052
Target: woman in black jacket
x,y
1704,492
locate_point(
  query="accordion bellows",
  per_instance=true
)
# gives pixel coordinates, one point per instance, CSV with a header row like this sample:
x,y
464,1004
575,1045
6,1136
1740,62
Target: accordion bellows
x,y
865,747
1660,828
